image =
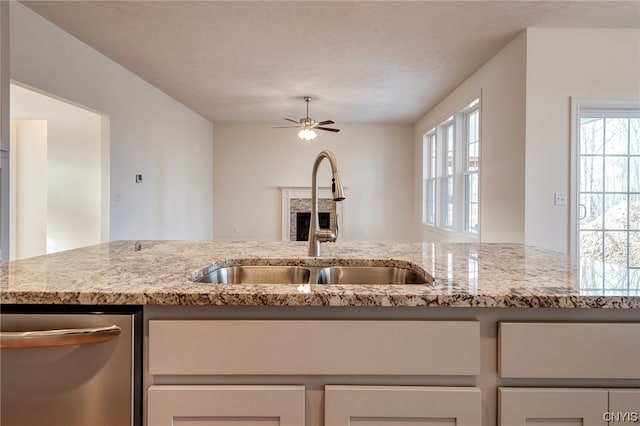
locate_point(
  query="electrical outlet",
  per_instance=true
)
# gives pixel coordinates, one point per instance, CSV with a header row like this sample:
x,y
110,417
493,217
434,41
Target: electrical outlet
x,y
560,198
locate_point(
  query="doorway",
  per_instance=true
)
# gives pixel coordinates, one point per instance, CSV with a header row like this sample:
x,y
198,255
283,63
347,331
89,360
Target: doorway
x,y
607,217
59,174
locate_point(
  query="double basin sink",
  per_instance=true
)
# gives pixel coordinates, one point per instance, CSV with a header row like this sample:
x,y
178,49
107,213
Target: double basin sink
x,y
289,274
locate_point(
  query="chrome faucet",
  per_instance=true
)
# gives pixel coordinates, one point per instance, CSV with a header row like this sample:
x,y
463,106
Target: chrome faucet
x,y
317,235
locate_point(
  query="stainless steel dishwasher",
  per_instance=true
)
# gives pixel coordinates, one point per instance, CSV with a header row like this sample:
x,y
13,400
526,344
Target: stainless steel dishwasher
x,y
70,366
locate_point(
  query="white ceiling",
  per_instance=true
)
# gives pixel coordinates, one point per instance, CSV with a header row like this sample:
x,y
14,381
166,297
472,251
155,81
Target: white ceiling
x,y
362,61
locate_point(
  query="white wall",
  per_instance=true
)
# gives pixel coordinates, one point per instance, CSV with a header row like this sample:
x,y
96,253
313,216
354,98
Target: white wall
x,y
29,188
565,63
150,133
251,161
502,84
73,183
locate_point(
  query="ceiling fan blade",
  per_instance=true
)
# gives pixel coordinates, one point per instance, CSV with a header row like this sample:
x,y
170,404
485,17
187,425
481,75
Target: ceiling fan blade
x,y
307,122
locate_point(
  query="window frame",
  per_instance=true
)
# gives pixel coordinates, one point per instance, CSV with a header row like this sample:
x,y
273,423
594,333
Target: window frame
x,y
578,107
614,278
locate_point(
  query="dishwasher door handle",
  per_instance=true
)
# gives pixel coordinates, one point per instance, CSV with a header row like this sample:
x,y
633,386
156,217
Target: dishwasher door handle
x,y
60,337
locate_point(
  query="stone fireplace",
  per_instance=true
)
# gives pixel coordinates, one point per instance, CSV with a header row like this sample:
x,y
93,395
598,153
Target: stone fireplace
x,y
303,223
296,211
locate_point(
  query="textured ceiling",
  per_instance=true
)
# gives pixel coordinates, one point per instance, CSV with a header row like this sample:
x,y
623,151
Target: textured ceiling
x,y
363,62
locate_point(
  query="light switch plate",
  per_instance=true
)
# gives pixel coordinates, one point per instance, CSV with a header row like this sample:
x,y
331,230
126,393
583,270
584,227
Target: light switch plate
x,y
560,198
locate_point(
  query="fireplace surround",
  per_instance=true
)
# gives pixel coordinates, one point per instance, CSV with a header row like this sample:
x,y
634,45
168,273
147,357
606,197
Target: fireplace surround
x,y
297,199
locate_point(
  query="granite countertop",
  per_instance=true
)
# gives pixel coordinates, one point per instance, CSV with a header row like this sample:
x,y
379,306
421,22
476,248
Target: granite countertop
x,y
162,273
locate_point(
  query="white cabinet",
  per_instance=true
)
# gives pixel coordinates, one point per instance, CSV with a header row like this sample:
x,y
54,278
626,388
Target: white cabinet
x,y
216,405
406,405
556,350
552,407
562,406
624,407
188,359
260,405
540,350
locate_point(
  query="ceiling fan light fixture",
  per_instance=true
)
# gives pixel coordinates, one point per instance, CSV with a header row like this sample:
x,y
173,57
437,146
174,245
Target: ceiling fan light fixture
x,y
308,125
307,134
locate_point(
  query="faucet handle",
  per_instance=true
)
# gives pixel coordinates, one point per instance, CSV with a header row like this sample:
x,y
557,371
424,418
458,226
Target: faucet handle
x,y
325,235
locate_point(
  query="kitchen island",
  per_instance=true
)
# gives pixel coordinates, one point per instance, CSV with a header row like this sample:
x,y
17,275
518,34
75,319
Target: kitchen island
x,y
503,332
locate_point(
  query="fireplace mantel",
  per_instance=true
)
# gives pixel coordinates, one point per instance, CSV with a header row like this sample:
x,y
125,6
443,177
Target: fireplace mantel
x,y
293,192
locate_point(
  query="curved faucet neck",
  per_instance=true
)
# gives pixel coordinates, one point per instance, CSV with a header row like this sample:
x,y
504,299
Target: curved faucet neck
x,y
316,165
316,235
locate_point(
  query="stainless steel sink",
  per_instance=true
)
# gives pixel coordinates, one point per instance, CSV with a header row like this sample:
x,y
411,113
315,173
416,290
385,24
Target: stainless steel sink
x,y
290,274
262,274
369,275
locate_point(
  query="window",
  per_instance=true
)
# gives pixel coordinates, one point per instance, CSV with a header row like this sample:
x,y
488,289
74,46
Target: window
x,y
451,172
608,197
448,167
471,168
429,177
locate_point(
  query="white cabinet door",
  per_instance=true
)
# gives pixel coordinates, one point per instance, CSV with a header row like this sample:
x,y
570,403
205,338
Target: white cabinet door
x,y
209,405
624,407
552,407
406,405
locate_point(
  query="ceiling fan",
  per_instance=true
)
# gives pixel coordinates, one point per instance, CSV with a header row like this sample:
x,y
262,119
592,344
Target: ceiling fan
x,y
308,124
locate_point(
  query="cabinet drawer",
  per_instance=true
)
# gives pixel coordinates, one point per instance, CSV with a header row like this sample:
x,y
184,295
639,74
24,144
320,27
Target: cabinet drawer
x,y
550,406
224,405
625,401
393,405
569,350
183,347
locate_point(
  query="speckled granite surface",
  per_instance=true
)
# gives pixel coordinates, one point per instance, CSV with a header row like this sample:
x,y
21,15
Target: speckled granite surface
x,y
162,273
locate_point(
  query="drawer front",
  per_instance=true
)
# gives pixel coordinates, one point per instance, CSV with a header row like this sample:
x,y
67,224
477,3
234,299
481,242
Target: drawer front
x,y
182,347
624,407
394,405
569,350
225,405
549,406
